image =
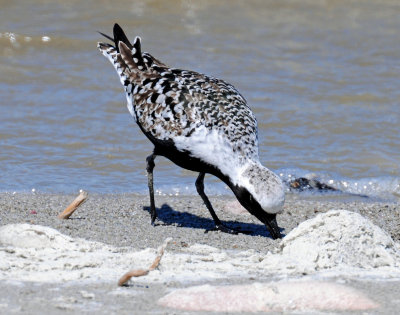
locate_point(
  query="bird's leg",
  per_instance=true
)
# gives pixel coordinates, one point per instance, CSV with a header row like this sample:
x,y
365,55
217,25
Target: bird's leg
x,y
218,224
149,168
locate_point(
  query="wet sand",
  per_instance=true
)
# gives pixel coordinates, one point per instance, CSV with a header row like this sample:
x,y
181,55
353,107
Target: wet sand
x,y
123,220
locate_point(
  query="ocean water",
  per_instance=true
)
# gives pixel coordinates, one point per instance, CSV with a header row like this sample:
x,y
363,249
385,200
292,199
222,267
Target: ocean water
x,y
321,76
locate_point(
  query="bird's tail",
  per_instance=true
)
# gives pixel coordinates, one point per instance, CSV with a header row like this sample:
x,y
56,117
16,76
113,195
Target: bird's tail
x,y
125,57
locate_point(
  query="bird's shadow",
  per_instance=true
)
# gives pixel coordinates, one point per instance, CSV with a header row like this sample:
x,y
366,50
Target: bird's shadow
x,y
169,216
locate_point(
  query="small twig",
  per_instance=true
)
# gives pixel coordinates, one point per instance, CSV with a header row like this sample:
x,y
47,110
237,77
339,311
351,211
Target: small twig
x,y
141,272
73,206
133,273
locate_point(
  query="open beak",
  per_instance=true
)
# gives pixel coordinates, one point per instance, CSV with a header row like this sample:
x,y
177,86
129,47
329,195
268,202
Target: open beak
x,y
272,226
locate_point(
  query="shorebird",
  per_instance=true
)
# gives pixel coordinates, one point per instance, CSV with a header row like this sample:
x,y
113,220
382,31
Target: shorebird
x,y
200,123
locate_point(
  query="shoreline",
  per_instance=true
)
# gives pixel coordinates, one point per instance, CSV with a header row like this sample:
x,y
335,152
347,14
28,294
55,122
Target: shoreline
x,y
123,221
97,218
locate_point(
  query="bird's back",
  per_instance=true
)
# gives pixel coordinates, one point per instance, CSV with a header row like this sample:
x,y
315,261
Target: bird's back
x,y
199,114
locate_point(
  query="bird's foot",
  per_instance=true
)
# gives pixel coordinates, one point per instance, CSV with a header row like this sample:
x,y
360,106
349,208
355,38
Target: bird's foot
x,y
223,228
153,215
153,222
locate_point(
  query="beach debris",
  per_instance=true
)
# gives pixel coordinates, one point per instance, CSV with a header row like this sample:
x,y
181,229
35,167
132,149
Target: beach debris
x,y
305,184
142,272
87,295
74,205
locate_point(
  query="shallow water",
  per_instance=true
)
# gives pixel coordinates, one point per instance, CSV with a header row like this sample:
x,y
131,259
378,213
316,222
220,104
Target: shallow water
x,y
321,76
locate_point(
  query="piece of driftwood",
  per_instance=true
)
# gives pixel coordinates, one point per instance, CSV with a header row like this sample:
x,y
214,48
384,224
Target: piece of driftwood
x,y
74,205
142,272
133,273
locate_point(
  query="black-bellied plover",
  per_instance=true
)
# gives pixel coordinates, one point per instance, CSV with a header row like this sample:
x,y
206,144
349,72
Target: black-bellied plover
x,y
200,123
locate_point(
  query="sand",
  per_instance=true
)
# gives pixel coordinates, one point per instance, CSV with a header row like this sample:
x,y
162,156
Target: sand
x,y
332,243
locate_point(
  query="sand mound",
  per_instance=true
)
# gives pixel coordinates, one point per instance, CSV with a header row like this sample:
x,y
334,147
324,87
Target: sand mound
x,y
31,236
39,253
339,239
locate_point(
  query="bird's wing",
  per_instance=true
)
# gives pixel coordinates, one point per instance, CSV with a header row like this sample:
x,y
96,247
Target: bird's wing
x,y
175,105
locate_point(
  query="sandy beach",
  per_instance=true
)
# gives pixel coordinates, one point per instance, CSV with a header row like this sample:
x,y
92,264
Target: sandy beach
x,y
75,267
321,78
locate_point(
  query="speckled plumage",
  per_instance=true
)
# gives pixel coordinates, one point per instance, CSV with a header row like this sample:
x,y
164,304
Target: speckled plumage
x,y
169,102
199,122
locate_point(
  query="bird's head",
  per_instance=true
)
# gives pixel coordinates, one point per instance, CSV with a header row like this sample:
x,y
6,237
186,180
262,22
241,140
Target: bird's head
x,y
262,193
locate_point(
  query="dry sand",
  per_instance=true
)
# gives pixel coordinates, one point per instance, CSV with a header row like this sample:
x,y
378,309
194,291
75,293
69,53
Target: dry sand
x,y
73,265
